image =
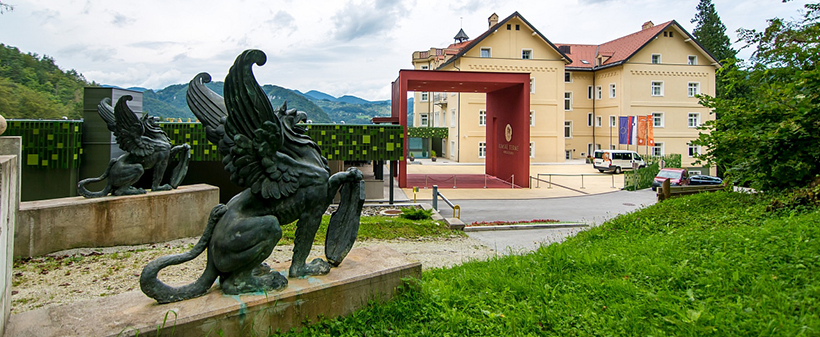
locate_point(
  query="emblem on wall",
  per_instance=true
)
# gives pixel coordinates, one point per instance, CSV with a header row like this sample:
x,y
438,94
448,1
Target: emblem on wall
x,y
508,133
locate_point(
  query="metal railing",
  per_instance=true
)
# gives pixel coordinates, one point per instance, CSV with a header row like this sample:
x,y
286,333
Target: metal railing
x,y
427,179
437,194
538,179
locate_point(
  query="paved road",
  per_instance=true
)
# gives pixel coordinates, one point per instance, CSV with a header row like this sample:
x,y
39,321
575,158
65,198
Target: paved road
x,y
593,210
590,209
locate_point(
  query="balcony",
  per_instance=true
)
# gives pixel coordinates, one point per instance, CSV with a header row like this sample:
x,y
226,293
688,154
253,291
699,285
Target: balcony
x,y
440,98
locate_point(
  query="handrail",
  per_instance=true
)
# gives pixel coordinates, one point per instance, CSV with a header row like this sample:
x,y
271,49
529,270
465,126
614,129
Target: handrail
x,y
437,194
550,175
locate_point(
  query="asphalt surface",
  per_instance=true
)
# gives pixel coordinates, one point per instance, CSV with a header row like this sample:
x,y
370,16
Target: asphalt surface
x,y
592,210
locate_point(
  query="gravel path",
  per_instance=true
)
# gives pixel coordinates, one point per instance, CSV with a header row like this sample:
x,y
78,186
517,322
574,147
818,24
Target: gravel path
x,y
82,274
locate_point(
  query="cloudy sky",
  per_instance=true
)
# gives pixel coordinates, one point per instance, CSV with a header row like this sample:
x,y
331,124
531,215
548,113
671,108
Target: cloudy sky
x,y
350,47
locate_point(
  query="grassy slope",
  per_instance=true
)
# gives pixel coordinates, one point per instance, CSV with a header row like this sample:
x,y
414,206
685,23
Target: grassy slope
x,y
710,264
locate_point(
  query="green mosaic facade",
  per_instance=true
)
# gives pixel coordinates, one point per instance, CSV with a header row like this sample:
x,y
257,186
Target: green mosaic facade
x,y
425,132
49,143
358,142
194,135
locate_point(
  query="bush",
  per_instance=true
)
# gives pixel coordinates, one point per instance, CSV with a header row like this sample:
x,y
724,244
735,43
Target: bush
x,y
413,213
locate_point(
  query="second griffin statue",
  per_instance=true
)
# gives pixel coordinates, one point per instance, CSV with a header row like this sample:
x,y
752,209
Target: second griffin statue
x,y
286,179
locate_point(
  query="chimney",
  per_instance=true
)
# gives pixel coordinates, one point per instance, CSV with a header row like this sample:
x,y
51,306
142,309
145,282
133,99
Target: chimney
x,y
493,19
647,25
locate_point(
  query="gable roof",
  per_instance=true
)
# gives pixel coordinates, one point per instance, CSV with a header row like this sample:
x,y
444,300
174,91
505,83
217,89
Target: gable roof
x,y
622,49
473,43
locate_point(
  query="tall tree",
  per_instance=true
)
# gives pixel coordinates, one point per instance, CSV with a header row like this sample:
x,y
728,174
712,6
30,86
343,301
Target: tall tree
x,y
4,7
711,34
770,138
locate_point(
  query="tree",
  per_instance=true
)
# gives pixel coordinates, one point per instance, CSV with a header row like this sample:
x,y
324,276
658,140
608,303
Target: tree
x,y
710,32
4,7
770,138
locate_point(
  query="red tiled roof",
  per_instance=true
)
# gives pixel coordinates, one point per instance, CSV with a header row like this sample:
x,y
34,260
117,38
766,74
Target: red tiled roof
x,y
622,48
580,53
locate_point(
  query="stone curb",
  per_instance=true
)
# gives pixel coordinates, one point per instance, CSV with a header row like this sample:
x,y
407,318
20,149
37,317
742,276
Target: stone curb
x,y
514,227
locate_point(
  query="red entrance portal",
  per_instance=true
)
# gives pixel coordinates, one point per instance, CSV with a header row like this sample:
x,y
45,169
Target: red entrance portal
x,y
508,126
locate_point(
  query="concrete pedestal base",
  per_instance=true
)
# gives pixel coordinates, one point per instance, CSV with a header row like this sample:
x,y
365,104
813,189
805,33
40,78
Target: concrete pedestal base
x,y
370,273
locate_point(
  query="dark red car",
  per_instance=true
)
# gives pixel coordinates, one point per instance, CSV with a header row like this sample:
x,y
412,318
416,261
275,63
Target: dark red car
x,y
676,176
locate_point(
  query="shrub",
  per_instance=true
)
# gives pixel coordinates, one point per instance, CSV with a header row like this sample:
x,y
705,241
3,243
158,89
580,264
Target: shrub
x,y
412,213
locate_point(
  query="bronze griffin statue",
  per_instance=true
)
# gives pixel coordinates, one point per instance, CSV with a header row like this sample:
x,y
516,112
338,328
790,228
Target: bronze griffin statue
x,y
286,180
146,147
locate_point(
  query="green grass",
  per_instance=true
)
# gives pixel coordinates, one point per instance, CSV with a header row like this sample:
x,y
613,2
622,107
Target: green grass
x,y
709,264
381,228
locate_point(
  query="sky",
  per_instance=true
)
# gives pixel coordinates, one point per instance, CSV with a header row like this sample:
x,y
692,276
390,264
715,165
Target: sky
x,y
350,47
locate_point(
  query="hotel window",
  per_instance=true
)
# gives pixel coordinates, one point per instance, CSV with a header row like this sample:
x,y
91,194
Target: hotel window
x,y
486,52
567,154
656,58
526,54
452,148
694,119
532,150
694,150
612,90
482,117
613,122
694,89
599,91
599,120
423,118
657,119
509,26
568,101
425,96
693,60
532,85
567,129
532,118
589,92
657,88
567,77
589,119
425,67
517,27
482,149
453,118
436,119
657,150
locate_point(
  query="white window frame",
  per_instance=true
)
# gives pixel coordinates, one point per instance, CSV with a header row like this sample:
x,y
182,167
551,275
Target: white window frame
x,y
425,67
599,121
425,96
693,85
567,154
453,118
693,150
652,59
590,92
482,117
599,92
568,101
612,90
452,148
532,118
488,50
567,127
613,121
526,54
657,150
692,60
424,119
567,77
532,149
612,146
590,117
482,149
443,118
652,88
532,85
590,149
693,117
657,119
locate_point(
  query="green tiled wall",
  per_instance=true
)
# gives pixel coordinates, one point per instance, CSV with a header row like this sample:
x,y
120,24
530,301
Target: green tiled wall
x,y
425,132
49,143
358,142
194,135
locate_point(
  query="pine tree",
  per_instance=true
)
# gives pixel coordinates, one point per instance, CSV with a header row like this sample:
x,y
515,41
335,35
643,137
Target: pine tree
x,y
710,32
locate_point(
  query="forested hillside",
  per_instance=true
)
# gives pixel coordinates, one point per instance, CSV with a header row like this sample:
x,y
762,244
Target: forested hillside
x,y
32,86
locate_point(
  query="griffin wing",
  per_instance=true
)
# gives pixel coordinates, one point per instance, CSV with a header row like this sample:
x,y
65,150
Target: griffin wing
x,y
255,161
129,130
106,111
209,108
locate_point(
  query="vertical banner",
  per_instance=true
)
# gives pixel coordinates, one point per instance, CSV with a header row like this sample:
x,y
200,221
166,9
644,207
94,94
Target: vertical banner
x,y
650,131
643,131
624,130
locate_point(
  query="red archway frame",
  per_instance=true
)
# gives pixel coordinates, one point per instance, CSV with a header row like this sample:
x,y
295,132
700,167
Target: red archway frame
x,y
508,102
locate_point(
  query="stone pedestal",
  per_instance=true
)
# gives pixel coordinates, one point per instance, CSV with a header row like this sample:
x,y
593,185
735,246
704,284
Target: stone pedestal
x,y
369,273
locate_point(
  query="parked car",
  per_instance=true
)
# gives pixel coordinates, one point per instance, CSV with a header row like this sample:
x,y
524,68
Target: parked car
x,y
616,160
701,179
676,176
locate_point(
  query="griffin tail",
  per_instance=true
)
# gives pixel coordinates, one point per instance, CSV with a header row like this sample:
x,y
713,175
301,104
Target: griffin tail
x,y
163,293
88,194
344,222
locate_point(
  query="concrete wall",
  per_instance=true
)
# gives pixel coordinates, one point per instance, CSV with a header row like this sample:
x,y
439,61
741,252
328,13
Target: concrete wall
x,y
10,149
48,226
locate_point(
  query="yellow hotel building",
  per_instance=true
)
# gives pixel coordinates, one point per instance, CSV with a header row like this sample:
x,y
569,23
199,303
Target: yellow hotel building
x,y
577,91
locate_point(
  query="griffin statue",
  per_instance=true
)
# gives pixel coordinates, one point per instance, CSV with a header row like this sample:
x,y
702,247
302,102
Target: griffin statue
x,y
146,147
286,180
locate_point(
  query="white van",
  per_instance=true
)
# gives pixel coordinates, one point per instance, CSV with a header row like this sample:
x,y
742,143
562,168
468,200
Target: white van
x,y
616,160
